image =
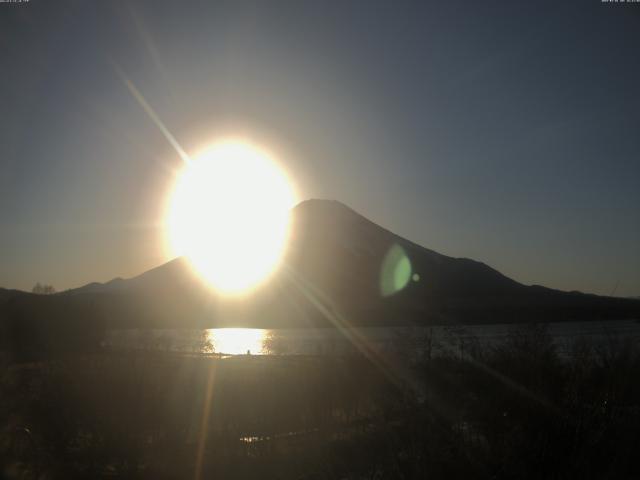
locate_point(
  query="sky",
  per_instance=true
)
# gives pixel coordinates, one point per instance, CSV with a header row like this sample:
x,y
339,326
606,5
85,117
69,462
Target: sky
x,y
506,132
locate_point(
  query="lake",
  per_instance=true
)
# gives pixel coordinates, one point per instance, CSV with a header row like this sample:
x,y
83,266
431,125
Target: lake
x,y
333,341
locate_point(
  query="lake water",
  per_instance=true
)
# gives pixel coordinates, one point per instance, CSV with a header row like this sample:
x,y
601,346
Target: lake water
x,y
331,341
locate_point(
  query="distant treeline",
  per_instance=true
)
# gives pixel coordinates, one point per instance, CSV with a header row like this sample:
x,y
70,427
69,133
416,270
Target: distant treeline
x,y
87,313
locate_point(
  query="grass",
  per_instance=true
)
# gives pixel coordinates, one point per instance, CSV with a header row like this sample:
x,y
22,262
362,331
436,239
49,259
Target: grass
x,y
515,410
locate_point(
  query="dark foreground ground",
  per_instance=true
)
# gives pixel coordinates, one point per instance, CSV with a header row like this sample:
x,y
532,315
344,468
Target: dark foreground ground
x,y
513,411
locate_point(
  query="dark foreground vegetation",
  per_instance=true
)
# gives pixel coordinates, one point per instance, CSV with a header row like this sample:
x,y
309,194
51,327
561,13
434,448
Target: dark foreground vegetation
x,y
516,410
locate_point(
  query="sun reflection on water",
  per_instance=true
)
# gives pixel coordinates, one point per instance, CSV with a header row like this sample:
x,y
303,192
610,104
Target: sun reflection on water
x,y
238,341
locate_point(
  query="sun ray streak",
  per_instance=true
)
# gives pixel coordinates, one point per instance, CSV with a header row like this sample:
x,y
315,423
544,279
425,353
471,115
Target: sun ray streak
x,y
152,114
204,426
396,375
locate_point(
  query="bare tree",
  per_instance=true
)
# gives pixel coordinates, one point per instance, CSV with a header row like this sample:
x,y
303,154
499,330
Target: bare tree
x,y
43,289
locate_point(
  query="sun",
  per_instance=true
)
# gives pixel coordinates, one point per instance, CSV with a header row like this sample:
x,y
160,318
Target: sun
x,y
229,214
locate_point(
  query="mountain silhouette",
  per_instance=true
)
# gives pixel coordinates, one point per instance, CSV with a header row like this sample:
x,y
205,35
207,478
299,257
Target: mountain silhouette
x,y
339,269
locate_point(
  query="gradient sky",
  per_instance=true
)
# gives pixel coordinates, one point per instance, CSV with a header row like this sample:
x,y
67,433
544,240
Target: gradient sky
x,y
506,132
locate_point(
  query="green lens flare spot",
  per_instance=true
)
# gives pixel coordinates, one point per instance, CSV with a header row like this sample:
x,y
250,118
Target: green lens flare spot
x,y
395,272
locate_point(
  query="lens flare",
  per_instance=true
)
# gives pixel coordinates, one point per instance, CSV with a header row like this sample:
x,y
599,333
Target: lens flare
x,y
395,271
229,214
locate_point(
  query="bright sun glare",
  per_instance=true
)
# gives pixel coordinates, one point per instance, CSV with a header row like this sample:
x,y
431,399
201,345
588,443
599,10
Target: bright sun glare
x,y
237,341
229,215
